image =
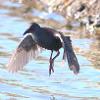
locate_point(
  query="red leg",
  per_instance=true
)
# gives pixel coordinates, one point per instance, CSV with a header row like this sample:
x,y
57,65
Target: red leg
x,y
56,55
52,62
51,67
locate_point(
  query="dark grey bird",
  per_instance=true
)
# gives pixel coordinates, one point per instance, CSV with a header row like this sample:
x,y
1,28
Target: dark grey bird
x,y
37,37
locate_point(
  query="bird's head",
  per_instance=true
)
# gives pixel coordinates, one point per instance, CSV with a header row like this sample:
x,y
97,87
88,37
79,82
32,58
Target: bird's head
x,y
32,28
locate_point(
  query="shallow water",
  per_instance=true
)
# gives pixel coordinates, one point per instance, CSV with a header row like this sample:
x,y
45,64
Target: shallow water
x,y
34,83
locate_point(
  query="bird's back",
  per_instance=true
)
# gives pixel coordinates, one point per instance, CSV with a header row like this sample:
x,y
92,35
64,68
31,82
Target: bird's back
x,y
46,38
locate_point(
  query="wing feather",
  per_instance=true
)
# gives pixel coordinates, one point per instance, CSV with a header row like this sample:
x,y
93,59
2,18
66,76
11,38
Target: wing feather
x,y
69,54
26,51
71,57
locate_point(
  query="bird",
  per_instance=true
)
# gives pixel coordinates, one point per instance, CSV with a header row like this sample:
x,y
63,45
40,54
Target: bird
x,y
37,38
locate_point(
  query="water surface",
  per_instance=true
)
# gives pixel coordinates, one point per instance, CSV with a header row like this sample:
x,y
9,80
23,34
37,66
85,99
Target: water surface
x,y
33,82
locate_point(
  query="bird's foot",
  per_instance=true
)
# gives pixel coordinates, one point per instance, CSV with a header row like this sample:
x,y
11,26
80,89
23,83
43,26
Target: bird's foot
x,y
51,69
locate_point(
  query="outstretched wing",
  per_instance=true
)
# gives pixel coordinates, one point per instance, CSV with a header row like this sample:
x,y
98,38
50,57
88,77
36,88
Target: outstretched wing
x,y
26,50
70,55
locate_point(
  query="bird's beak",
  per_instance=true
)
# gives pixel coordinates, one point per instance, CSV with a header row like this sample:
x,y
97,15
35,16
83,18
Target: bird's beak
x,y
27,31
